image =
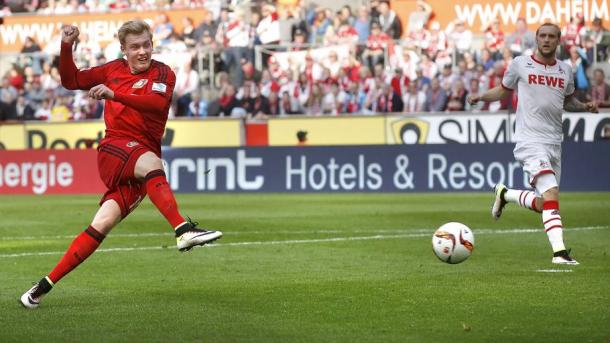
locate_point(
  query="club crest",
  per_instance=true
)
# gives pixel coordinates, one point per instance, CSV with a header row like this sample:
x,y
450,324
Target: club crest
x,y
140,83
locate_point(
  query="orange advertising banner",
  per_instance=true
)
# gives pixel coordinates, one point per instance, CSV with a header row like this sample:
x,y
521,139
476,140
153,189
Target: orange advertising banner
x,y
99,27
478,13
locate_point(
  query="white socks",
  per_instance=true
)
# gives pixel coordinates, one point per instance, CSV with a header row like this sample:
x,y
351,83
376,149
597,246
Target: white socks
x,y
526,199
552,225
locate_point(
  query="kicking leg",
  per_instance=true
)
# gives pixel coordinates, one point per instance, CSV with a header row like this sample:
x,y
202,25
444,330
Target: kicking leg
x,y
525,199
107,216
150,169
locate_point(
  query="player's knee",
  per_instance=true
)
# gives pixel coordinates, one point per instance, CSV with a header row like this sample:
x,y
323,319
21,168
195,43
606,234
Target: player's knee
x,y
552,194
147,163
547,183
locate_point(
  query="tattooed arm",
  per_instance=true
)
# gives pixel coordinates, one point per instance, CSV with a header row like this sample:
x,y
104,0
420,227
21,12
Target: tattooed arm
x,y
571,104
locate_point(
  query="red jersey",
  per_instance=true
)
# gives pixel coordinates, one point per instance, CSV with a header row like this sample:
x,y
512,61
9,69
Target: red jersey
x,y
141,101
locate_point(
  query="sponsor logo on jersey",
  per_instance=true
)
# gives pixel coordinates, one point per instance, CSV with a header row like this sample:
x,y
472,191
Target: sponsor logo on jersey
x,y
546,80
544,164
140,83
132,144
159,87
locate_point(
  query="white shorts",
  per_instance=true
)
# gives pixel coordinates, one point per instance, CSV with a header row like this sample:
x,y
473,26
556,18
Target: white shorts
x,y
539,159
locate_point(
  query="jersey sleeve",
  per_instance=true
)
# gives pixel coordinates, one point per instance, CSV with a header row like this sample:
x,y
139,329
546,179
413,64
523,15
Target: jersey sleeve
x,y
511,76
163,82
72,78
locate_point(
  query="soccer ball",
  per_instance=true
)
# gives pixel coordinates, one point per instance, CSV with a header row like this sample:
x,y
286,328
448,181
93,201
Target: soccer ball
x,y
453,242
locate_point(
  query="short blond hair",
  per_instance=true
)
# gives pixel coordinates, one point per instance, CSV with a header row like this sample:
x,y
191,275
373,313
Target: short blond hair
x,y
134,27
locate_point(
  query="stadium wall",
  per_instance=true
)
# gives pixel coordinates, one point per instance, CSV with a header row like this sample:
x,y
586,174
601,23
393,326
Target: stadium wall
x,y
425,128
368,168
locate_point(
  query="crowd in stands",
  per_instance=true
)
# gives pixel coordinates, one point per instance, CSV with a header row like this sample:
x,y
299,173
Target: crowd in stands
x,y
354,61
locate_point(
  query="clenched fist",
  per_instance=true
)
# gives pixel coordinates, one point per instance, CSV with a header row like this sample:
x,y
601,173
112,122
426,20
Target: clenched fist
x,y
69,33
100,92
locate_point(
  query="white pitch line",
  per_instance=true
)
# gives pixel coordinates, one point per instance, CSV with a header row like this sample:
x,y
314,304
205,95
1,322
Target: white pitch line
x,y
295,232
303,241
554,270
168,233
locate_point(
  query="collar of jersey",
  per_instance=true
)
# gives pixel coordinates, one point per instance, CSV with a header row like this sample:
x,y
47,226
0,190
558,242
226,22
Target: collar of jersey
x,y
544,64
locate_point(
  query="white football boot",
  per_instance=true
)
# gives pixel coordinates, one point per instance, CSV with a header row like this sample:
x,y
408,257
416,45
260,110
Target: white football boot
x,y
31,298
563,257
189,235
499,202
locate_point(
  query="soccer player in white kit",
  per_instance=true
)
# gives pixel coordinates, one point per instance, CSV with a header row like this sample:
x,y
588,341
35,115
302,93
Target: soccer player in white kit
x,y
545,89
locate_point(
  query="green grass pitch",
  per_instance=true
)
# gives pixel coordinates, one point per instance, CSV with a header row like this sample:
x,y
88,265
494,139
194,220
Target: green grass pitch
x,y
309,268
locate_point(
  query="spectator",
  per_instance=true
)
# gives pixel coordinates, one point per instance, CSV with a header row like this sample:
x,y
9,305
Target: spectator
x,y
198,107
162,30
486,60
437,40
211,60
268,29
314,101
436,98
579,63
457,97
522,41
187,35
571,35
319,26
235,35
418,19
362,25
388,101
601,38
187,83
258,104
207,25
346,34
30,46
377,42
600,91
414,99
8,100
389,21
60,111
475,90
44,111
422,82
494,38
36,94
299,42
228,101
345,13
459,37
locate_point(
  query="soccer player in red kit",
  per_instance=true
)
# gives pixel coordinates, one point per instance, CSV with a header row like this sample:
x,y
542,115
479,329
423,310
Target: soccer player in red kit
x,y
137,92
545,87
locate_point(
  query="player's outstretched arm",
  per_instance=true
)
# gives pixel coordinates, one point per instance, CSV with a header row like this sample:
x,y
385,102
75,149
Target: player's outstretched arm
x,y
71,77
494,94
571,104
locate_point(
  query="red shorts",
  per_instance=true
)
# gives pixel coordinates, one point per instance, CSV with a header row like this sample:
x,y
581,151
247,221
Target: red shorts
x,y
116,162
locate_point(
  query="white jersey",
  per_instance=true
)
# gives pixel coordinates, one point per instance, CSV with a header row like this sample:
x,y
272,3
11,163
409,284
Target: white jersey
x,y
541,89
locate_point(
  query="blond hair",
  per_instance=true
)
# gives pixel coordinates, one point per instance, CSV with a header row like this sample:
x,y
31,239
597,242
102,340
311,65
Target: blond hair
x,y
134,27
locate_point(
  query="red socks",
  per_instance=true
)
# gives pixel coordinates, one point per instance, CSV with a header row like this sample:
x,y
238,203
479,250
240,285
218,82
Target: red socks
x,y
82,246
162,197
